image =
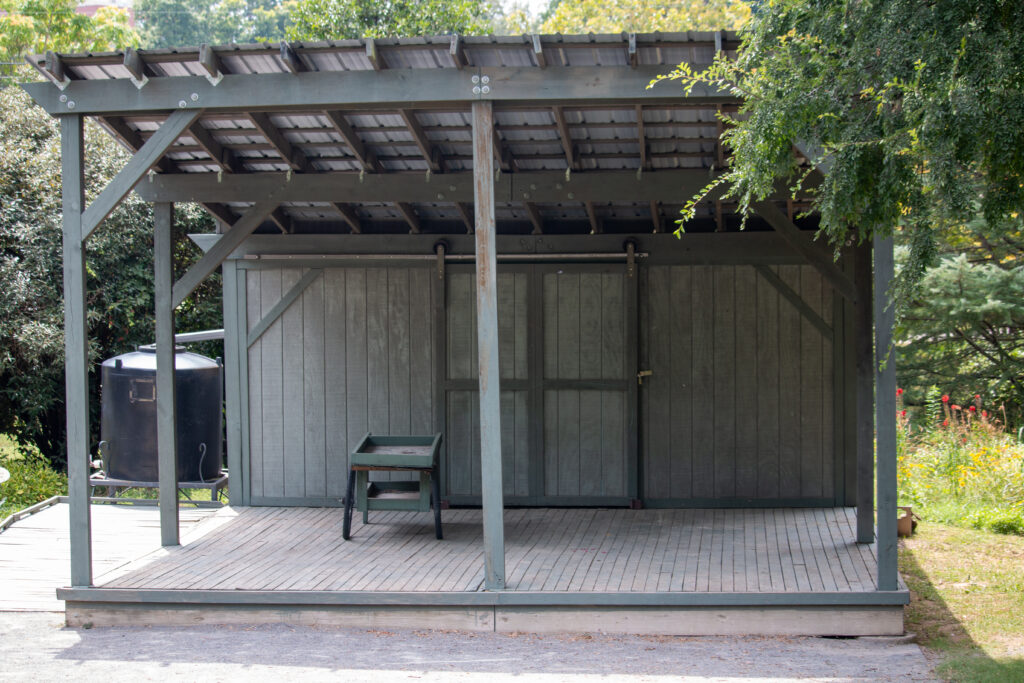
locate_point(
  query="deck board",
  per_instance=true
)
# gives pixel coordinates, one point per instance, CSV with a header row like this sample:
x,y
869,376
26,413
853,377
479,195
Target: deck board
x,y
552,550
35,558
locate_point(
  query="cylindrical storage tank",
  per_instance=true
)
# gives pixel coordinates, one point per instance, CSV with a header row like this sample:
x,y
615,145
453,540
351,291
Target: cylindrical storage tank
x,y
128,443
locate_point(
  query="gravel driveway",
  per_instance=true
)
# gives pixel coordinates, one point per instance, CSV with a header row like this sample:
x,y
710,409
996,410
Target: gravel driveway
x,y
36,647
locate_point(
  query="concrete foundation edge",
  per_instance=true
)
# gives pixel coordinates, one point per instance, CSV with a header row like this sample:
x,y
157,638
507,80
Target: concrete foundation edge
x,y
886,620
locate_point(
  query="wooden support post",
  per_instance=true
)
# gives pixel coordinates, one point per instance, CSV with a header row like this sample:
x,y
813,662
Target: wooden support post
x,y
487,343
166,423
865,421
885,414
76,351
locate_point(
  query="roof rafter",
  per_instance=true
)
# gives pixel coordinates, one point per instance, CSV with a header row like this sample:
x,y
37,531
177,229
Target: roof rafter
x,y
367,157
535,217
221,155
348,213
566,137
409,214
430,153
288,152
466,213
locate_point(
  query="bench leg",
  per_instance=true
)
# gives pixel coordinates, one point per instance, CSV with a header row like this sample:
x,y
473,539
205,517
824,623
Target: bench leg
x,y
435,494
346,525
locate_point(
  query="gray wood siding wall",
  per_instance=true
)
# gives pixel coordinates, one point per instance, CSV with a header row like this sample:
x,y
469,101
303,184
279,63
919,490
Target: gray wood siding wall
x,y
462,461
740,402
354,353
584,322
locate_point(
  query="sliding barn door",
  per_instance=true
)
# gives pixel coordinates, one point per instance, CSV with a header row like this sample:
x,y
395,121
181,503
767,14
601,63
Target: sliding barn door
x,y
567,348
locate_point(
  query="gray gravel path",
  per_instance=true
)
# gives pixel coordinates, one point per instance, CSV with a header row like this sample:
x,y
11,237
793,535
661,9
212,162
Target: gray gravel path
x,y
36,647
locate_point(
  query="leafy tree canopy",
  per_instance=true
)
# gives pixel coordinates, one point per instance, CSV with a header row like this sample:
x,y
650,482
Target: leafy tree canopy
x,y
119,267
35,26
178,23
336,19
612,16
915,109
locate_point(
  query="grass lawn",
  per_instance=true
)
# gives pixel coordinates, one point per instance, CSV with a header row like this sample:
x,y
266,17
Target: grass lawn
x,y
967,603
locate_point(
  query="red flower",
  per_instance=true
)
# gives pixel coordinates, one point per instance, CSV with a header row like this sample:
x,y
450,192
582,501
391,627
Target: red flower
x,y
955,407
945,398
899,392
945,423
984,413
903,413
977,397
972,409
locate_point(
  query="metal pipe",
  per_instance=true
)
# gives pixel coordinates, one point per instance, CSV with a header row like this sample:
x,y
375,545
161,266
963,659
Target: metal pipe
x,y
204,335
591,256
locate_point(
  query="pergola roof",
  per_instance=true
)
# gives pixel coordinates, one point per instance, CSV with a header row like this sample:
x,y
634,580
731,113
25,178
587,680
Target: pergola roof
x,y
385,125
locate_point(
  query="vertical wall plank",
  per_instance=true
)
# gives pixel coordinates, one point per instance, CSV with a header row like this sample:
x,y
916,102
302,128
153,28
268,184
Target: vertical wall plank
x,y
724,418
356,282
680,382
377,377
746,382
809,397
421,350
273,408
614,477
293,429
660,410
568,339
589,333
790,351
313,388
590,433
399,380
703,364
829,446
335,381
768,394
254,304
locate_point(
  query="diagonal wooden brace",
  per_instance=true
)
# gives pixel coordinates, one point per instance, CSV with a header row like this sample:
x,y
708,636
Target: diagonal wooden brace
x,y
813,255
143,160
212,259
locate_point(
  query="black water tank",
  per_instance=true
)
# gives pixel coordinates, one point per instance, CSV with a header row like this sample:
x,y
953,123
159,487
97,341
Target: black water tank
x,y
128,422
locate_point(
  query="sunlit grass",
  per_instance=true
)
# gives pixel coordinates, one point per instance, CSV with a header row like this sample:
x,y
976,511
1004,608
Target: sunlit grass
x,y
967,600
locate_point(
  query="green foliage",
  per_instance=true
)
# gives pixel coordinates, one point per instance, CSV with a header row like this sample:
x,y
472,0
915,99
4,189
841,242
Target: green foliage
x,y
915,109
32,479
118,263
35,26
964,330
612,16
337,19
178,23
965,470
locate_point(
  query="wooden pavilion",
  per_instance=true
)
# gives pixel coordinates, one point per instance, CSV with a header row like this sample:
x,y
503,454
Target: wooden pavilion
x,y
473,237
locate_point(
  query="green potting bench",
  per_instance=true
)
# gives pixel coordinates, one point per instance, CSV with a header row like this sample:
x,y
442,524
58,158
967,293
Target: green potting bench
x,y
375,453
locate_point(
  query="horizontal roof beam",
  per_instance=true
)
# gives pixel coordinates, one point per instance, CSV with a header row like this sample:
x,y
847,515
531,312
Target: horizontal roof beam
x,y
674,185
400,88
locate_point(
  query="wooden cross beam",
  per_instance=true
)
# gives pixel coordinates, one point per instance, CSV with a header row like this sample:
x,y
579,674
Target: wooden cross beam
x,y
815,256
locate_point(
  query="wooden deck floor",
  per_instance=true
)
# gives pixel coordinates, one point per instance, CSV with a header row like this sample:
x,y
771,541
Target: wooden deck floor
x,y
35,558
566,550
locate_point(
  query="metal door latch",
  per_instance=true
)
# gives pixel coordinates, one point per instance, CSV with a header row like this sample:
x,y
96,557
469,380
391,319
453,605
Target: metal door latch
x,y
643,373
